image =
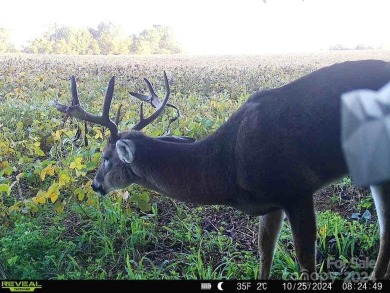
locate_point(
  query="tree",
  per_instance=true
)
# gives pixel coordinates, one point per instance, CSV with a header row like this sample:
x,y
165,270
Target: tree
x,y
106,39
157,40
81,42
64,40
168,43
110,39
5,42
40,45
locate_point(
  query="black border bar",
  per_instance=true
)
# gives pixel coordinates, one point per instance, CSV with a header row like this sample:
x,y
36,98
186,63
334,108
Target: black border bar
x,y
194,286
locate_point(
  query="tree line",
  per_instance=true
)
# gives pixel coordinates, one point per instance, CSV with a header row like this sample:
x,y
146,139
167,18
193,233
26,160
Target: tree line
x,y
106,39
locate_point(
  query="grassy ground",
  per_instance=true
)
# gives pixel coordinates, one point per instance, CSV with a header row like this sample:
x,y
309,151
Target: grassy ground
x,y
172,241
52,226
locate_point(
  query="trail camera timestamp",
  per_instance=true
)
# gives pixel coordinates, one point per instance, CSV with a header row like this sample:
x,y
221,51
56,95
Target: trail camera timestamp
x,y
362,286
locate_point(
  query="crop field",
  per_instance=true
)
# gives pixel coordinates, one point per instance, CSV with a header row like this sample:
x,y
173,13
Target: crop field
x,y
53,226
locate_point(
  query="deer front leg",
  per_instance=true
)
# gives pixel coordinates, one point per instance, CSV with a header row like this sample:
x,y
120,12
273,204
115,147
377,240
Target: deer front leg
x,y
269,228
381,195
303,225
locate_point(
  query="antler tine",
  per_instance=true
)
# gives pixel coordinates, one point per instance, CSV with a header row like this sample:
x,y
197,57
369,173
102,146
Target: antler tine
x,y
151,90
144,122
75,97
75,110
152,99
108,98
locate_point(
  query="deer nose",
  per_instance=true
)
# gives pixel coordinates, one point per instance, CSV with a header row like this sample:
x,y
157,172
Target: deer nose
x,y
98,188
95,187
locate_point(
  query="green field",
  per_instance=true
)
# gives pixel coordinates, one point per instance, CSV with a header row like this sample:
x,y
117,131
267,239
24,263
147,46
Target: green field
x,y
53,226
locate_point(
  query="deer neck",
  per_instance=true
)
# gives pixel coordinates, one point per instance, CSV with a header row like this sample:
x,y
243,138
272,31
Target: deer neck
x,y
200,172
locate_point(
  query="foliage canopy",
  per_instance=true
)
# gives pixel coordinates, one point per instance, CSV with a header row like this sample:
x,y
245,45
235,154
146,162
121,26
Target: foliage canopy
x,y
106,39
5,42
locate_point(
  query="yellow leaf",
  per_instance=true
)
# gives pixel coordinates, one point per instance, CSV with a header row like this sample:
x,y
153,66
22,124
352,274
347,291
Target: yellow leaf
x,y
58,135
323,231
81,196
98,134
63,179
49,170
76,164
4,164
54,196
53,192
43,175
88,185
39,152
4,188
38,199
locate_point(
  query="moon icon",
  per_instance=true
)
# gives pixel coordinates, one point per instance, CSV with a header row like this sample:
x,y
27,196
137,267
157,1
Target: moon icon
x,y
220,286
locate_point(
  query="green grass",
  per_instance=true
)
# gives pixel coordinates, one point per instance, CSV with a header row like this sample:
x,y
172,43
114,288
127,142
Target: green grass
x,y
108,243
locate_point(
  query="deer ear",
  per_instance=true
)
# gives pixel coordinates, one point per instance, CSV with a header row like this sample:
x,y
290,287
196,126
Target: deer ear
x,y
126,150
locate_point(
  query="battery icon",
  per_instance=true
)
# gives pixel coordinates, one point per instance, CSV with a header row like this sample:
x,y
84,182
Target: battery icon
x,y
205,286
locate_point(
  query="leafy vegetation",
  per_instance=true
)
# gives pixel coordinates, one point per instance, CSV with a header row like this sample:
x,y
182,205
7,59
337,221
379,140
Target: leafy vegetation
x,y
52,225
5,42
106,39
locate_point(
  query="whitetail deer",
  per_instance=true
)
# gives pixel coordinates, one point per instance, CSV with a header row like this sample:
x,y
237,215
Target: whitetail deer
x,y
268,159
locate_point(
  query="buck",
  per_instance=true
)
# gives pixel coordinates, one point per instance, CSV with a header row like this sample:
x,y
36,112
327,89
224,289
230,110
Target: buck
x,y
268,159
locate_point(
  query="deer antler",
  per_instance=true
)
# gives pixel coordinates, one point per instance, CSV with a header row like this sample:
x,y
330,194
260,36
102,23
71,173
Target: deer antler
x,y
154,101
75,110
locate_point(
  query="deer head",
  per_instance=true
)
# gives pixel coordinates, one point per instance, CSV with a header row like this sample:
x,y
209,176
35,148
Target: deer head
x,y
119,153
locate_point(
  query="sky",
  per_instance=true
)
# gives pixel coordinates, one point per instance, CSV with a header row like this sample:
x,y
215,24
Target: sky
x,y
216,26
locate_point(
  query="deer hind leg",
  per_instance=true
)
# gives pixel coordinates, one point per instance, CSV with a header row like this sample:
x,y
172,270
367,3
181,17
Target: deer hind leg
x,y
381,195
387,275
303,225
269,228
